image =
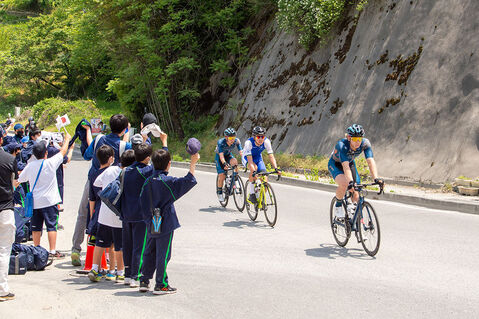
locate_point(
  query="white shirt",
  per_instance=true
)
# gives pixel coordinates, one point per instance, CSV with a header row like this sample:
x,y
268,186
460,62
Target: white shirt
x,y
45,193
106,216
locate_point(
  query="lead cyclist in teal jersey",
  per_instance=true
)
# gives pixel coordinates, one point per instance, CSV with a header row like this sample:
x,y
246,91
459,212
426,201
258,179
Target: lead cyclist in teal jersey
x,y
343,168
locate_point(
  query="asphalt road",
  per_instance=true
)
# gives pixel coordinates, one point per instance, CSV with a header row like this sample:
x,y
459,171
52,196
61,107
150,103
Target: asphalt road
x,y
226,266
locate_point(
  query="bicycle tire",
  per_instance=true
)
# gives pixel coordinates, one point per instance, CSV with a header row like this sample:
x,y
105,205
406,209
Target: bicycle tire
x,y
252,210
341,231
225,193
270,200
369,229
239,194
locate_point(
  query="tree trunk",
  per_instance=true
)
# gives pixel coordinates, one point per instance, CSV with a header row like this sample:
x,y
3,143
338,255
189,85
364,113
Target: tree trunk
x,y
174,111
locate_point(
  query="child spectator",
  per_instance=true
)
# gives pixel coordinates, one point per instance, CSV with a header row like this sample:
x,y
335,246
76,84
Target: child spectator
x,y
133,225
161,191
105,156
109,232
45,192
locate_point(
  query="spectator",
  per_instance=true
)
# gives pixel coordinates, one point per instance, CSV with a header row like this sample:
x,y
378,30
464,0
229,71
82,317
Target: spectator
x,y
160,192
19,132
8,171
109,232
45,192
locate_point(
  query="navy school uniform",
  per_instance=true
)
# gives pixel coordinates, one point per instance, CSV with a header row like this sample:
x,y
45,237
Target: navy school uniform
x,y
92,222
134,228
165,191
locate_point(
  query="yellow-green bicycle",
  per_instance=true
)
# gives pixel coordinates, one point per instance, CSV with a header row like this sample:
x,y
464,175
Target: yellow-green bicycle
x,y
265,199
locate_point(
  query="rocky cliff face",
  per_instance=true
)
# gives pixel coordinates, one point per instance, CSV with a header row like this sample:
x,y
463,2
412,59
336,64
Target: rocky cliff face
x,y
406,70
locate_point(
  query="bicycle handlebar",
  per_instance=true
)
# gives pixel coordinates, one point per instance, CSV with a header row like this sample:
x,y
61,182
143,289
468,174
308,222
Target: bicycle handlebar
x,y
276,171
359,187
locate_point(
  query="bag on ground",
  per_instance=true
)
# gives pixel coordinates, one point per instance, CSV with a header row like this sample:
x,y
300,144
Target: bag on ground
x,y
18,264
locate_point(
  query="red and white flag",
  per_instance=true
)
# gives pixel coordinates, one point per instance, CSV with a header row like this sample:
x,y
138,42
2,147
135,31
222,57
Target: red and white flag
x,y
62,121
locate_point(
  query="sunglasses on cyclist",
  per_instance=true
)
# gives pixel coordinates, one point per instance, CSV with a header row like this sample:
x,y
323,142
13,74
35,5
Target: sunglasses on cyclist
x,y
356,139
259,136
230,138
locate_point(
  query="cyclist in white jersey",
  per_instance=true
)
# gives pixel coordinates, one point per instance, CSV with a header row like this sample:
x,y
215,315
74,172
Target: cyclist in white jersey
x,y
252,158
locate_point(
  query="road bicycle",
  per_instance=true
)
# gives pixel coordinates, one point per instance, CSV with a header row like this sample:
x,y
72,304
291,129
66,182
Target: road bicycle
x,y
233,186
265,199
364,222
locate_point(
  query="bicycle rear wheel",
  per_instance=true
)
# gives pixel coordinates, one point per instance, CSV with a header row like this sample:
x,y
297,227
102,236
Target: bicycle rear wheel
x,y
225,192
269,206
251,209
340,227
239,193
369,231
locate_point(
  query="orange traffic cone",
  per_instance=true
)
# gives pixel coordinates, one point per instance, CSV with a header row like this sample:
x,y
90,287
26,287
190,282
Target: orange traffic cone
x,y
89,259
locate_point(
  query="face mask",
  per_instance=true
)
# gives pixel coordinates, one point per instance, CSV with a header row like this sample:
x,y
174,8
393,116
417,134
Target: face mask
x,y
19,133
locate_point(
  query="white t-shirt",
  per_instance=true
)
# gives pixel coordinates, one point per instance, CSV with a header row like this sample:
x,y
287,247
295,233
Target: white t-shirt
x,y
45,193
106,216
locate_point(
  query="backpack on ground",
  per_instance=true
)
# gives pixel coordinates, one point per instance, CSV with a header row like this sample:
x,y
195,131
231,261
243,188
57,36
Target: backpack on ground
x,y
39,254
18,264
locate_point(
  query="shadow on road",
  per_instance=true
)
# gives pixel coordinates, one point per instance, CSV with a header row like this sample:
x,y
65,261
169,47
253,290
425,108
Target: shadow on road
x,y
215,209
134,293
332,251
246,223
88,285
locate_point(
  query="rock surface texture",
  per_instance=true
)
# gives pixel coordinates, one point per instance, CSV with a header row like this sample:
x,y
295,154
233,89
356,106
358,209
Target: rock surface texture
x,y
408,71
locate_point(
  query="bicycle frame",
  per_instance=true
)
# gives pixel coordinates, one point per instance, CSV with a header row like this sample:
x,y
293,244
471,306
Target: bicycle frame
x,y
233,176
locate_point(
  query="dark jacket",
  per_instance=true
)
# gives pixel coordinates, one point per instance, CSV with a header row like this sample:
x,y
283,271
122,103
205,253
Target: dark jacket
x,y
165,190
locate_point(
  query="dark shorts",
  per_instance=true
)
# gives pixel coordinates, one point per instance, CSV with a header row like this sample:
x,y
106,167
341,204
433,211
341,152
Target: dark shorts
x,y
47,214
106,235
219,168
336,168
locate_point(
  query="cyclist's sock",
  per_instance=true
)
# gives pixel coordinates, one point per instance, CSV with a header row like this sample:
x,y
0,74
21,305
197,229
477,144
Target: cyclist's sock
x,y
339,202
219,190
251,188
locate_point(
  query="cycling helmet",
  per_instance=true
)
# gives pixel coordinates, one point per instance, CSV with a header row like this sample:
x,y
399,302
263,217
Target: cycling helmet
x,y
258,130
355,130
230,132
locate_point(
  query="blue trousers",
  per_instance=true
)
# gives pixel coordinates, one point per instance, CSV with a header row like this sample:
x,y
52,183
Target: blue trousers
x,y
156,257
133,241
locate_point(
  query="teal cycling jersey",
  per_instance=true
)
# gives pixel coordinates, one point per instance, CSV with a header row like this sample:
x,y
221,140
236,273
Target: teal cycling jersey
x,y
223,147
343,153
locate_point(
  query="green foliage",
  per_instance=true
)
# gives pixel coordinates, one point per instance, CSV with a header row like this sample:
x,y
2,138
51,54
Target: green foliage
x,y
29,5
311,19
46,111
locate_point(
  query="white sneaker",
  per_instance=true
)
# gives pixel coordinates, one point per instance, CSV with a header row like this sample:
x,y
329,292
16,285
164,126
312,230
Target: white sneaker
x,y
134,283
221,197
127,281
339,211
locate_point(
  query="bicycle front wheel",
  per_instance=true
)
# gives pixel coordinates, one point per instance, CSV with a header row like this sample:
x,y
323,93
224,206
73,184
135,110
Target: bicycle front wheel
x,y
225,192
251,209
239,193
339,227
269,205
369,231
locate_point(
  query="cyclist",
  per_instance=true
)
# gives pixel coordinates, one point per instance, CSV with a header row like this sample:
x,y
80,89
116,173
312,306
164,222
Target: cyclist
x,y
224,158
253,147
342,167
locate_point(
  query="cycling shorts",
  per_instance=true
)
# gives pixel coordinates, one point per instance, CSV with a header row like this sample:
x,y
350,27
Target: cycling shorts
x,y
219,167
336,168
258,161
